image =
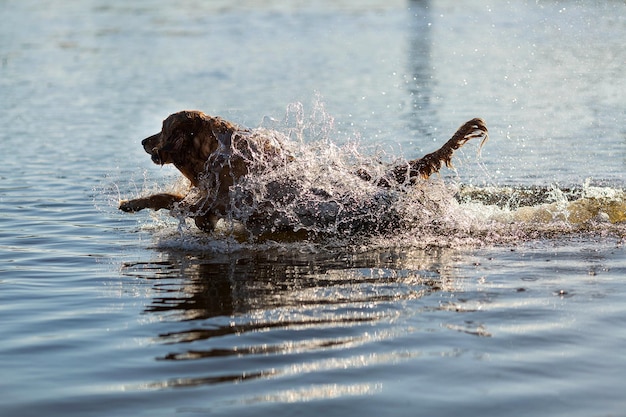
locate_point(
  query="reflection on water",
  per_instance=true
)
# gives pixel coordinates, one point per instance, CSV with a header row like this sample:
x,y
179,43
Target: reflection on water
x,y
318,392
275,303
421,112
196,286
285,325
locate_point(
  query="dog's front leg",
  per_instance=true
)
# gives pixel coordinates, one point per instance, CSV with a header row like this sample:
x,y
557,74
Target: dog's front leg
x,y
201,209
154,202
206,222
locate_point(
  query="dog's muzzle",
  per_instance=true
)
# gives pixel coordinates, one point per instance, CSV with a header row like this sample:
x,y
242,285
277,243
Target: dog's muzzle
x,y
148,146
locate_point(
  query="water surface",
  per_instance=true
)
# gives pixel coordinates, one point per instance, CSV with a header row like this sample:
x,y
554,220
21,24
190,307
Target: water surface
x,y
490,312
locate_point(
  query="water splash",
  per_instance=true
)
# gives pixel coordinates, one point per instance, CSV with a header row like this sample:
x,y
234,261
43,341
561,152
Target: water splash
x,y
315,194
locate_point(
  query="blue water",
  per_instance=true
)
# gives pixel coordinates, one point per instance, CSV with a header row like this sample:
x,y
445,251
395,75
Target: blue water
x,y
103,313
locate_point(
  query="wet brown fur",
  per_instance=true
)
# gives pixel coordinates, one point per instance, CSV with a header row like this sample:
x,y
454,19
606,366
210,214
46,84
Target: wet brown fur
x,y
431,163
214,154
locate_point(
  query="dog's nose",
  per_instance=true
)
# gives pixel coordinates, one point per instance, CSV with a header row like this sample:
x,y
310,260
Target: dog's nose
x,y
150,141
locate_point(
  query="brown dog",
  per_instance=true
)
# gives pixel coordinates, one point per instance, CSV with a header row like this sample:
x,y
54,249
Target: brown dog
x,y
215,155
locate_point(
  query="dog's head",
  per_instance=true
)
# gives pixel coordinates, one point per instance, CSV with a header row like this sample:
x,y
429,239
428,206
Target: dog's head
x,y
176,135
187,139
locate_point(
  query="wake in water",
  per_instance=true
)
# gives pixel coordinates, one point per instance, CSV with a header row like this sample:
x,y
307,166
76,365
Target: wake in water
x,y
322,192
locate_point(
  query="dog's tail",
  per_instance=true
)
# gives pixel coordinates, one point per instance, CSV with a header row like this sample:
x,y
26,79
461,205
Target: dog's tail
x,y
429,164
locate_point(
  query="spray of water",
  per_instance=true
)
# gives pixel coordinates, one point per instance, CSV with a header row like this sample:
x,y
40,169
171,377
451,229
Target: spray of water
x,y
312,198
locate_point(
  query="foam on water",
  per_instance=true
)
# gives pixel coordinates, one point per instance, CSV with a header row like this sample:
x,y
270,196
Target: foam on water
x,y
316,194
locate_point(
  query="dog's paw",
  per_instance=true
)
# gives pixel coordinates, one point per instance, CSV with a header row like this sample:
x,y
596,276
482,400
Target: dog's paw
x,y
130,206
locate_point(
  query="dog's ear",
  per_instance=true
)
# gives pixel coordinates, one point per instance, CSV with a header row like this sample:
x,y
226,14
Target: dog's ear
x,y
181,135
178,128
175,142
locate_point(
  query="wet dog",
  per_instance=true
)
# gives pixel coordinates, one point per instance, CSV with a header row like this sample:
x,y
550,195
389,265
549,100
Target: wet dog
x,y
217,156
